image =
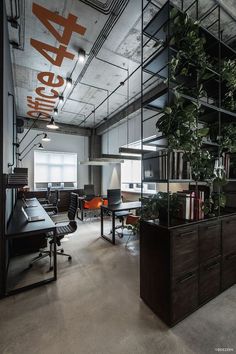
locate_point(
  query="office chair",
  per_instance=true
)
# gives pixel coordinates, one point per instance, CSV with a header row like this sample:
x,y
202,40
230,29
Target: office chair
x,y
114,198
92,207
52,207
89,191
63,228
46,199
132,224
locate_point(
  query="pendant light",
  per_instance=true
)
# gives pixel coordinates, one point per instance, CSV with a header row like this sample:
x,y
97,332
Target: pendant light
x,y
52,124
46,138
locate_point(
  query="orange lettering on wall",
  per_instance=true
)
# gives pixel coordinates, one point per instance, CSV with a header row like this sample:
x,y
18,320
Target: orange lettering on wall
x,y
34,114
39,105
46,17
41,89
49,82
60,52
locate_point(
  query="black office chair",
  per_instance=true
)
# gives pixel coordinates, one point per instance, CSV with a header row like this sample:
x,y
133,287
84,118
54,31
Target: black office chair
x,y
44,201
63,228
89,191
114,198
52,207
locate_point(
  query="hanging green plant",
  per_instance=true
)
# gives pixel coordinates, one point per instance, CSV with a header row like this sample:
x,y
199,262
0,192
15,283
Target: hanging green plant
x,y
178,122
190,61
227,137
229,78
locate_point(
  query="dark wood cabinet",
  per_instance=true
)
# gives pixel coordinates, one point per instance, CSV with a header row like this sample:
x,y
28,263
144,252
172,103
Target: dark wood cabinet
x,y
229,271
209,280
185,250
229,235
209,240
184,296
182,268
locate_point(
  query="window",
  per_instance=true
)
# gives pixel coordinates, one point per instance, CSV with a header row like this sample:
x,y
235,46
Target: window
x,y
131,174
55,168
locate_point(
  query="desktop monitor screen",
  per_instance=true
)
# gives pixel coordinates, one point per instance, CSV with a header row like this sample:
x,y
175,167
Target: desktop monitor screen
x,y
114,196
89,189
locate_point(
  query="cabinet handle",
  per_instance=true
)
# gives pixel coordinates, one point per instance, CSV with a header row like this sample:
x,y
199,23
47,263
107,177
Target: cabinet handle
x,y
211,227
233,255
212,266
187,233
186,278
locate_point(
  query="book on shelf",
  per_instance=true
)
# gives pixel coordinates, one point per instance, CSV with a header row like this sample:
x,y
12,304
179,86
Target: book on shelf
x,y
161,165
229,161
190,205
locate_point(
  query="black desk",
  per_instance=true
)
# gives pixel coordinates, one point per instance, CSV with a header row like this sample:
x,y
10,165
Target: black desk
x,y
113,209
19,227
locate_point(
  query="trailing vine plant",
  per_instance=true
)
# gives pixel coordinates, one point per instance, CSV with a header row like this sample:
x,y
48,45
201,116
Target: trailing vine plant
x,y
191,61
229,77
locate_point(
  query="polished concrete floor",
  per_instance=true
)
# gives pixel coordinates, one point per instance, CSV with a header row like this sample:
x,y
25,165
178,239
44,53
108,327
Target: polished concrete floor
x,y
94,308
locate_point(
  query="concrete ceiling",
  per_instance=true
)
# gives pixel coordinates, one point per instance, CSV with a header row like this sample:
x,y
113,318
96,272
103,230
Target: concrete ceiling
x,y
109,57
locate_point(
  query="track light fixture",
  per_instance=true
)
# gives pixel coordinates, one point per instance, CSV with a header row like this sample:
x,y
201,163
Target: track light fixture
x,y
61,98
40,147
46,138
55,111
52,124
81,55
69,82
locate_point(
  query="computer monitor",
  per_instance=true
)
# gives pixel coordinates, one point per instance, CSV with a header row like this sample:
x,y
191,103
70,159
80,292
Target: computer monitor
x,y
89,190
114,196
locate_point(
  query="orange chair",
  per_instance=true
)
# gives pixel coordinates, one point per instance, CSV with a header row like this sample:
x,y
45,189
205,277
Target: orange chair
x,y
132,221
92,206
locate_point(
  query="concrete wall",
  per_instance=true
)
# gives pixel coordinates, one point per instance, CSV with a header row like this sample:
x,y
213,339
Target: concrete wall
x,y
6,135
111,141
60,143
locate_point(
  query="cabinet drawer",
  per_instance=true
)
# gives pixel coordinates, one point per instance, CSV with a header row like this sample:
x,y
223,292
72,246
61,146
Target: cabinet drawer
x,y
185,250
209,281
229,271
229,235
185,296
209,240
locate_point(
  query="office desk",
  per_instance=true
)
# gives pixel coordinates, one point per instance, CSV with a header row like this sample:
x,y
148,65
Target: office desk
x,y
113,209
19,227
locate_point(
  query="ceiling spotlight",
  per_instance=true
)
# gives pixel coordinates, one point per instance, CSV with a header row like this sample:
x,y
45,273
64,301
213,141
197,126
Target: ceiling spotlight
x,y
55,111
69,81
61,98
52,124
40,146
81,55
46,138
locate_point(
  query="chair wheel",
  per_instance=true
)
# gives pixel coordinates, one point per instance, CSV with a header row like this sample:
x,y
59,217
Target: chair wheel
x,y
62,251
69,258
40,254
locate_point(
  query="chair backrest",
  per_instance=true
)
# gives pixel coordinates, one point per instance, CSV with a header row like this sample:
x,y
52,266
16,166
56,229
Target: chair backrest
x,y
94,203
73,206
55,197
48,192
89,190
132,219
114,196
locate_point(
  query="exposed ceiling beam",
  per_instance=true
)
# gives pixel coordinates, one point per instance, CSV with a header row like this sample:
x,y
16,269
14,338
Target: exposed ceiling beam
x,y
131,108
64,128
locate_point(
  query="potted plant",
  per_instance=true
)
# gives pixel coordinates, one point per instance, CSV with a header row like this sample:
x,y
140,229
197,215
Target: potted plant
x,y
158,206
